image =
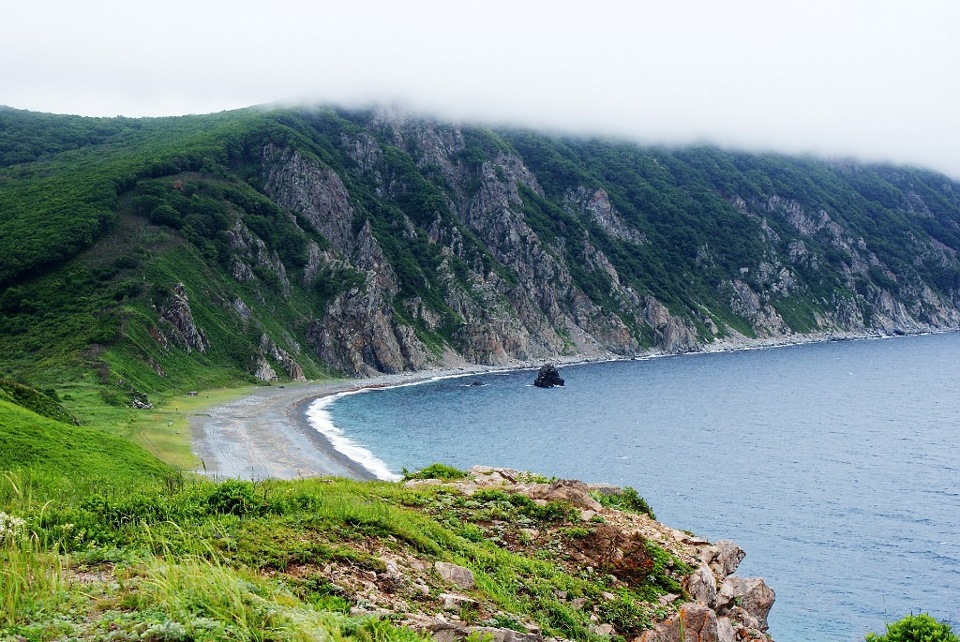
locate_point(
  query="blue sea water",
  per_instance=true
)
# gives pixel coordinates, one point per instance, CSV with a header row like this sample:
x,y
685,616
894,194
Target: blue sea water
x,y
836,466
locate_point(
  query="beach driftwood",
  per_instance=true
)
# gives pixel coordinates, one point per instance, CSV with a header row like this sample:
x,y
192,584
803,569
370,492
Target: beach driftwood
x,y
548,377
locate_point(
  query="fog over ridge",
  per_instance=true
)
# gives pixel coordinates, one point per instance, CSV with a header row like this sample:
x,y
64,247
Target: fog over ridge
x,y
871,80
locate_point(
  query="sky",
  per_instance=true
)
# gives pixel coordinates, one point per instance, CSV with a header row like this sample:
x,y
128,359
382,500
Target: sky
x,y
877,80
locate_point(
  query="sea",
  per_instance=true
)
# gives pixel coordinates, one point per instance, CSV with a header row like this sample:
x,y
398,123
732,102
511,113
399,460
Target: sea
x,y
835,466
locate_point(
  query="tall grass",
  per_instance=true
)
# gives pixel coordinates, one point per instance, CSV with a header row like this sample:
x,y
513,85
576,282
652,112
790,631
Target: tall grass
x,y
31,578
206,600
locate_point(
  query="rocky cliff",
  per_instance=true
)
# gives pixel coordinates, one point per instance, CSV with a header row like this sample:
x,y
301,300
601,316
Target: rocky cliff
x,y
484,264
297,242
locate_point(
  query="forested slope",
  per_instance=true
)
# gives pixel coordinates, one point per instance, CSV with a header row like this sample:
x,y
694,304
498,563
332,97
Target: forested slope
x,y
174,253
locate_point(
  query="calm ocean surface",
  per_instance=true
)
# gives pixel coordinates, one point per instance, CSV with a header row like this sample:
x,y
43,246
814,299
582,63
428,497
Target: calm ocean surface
x,y
836,466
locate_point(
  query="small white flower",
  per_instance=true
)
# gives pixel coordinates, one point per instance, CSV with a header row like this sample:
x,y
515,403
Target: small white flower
x,y
10,526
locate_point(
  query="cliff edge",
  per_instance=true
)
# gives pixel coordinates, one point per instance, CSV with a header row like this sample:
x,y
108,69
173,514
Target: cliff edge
x,y
657,584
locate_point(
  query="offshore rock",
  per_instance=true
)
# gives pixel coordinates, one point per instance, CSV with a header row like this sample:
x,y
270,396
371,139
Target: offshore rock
x,y
548,377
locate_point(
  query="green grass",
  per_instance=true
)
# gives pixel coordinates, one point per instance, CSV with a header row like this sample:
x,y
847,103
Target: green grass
x,y
45,446
111,539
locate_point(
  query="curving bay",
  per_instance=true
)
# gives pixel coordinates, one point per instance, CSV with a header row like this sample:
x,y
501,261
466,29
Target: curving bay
x,y
836,466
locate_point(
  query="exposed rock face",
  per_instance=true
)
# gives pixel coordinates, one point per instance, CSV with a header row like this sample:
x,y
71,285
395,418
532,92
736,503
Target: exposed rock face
x,y
316,193
763,317
180,327
281,357
360,335
548,314
263,370
547,377
420,243
251,256
596,205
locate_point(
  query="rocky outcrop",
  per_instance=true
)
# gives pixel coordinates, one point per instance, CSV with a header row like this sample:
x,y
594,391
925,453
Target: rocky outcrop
x,y
547,377
722,607
263,370
179,327
281,357
251,256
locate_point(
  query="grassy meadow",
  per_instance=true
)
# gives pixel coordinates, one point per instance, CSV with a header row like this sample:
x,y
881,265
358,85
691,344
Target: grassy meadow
x,y
103,536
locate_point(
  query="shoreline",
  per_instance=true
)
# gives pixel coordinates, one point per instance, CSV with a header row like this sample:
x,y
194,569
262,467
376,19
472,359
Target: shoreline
x,y
269,434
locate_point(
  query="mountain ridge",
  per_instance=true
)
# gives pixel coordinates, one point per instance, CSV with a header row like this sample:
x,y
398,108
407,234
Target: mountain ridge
x,y
170,253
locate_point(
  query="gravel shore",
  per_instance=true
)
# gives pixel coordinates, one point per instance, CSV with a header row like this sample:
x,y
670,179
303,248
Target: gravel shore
x,y
267,434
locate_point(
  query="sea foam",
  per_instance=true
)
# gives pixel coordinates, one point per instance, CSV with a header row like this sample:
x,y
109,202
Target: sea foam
x,y
318,414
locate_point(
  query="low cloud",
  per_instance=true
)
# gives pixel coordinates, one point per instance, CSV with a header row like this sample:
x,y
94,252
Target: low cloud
x,y
870,79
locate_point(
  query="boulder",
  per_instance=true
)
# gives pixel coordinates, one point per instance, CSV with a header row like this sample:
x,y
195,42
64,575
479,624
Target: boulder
x,y
702,585
443,630
566,490
749,593
693,623
495,634
728,558
456,575
454,601
548,376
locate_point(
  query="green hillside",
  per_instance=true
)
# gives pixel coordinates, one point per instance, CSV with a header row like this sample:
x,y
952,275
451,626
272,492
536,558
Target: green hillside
x,y
155,256
141,259
59,453
99,540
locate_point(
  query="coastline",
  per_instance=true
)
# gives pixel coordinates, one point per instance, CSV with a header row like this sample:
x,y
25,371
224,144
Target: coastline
x,y
269,434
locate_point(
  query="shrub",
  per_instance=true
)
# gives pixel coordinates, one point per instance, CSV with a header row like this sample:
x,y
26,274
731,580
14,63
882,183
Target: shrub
x,y
916,628
625,614
627,499
233,497
436,471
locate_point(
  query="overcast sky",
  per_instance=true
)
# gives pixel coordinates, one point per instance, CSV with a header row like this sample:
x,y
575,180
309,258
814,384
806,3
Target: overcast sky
x,y
875,79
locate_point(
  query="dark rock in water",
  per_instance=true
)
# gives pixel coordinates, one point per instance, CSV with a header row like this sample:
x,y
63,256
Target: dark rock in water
x,y
477,383
548,377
